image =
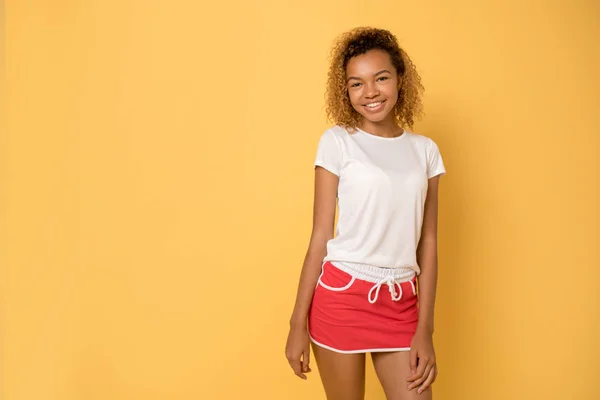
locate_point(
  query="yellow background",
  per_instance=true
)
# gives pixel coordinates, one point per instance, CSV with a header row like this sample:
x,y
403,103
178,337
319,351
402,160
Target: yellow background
x,y
157,193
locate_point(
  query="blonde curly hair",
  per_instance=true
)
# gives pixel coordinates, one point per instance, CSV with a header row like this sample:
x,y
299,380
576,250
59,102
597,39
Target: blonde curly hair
x,y
359,41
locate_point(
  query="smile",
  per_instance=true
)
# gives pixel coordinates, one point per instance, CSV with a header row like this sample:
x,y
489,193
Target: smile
x,y
375,106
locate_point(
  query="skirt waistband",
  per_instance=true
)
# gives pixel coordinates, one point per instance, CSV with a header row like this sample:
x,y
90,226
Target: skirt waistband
x,y
373,274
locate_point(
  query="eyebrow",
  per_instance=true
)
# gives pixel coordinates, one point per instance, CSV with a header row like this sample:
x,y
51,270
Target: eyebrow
x,y
377,74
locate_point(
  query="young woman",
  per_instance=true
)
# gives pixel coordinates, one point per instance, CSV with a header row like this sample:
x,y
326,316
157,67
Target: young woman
x,y
371,288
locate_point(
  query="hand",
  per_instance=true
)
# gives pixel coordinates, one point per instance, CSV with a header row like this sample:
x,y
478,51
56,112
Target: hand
x,y
422,362
297,351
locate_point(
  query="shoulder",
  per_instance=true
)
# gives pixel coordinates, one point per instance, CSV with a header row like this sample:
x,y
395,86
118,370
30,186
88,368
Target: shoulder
x,y
422,142
429,152
335,135
338,132
419,139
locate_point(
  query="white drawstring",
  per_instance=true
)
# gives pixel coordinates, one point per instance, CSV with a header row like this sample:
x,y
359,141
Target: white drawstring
x,y
391,282
412,283
391,286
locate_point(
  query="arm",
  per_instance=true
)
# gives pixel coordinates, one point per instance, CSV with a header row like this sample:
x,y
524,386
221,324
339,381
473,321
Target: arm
x,y
428,260
326,185
298,346
422,355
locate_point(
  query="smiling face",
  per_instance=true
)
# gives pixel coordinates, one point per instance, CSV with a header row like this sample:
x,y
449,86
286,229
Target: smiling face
x,y
373,84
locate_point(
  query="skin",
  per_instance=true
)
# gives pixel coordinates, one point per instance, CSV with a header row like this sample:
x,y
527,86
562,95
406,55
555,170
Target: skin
x,y
371,78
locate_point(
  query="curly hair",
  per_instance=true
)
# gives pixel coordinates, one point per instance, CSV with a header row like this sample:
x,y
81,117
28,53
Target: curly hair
x,y
359,41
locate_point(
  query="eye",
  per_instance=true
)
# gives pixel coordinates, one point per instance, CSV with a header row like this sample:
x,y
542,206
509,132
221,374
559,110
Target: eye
x,y
382,78
354,85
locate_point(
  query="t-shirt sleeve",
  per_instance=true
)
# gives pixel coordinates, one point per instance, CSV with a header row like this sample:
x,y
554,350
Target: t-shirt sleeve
x,y
435,163
329,154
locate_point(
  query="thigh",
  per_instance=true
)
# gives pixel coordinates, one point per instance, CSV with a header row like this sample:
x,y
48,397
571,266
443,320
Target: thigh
x,y
343,375
393,368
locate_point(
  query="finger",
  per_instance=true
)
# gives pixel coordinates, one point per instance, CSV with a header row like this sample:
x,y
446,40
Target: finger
x,y
422,373
413,361
422,365
413,365
306,361
297,367
417,382
298,371
428,381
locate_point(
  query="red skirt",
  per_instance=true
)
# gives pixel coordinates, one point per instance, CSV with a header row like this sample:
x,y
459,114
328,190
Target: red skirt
x,y
352,312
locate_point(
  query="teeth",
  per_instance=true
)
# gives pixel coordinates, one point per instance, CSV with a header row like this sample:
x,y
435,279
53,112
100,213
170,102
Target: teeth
x,y
373,105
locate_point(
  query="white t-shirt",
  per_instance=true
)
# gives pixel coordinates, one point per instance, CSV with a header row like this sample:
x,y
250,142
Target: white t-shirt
x,y
381,194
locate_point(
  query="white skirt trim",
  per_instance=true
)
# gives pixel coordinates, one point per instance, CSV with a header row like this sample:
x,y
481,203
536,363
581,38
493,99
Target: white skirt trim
x,y
358,351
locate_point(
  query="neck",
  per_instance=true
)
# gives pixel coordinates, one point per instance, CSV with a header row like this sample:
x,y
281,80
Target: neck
x,y
387,128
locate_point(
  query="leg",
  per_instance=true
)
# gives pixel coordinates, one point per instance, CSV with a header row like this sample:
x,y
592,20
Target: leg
x,y
392,370
343,375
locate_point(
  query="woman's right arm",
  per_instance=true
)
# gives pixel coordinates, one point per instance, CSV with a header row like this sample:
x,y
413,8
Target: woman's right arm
x,y
326,186
325,195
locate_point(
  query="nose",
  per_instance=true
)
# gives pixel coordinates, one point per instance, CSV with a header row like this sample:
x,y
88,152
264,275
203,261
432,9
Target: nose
x,y
371,90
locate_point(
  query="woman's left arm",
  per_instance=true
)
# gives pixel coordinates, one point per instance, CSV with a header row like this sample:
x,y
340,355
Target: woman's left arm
x,y
422,356
427,259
